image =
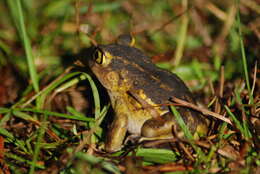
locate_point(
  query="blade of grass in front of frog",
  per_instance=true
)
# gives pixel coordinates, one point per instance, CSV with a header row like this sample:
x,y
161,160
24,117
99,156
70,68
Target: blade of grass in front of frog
x,y
186,132
181,123
17,16
97,105
96,126
155,155
42,130
103,114
97,160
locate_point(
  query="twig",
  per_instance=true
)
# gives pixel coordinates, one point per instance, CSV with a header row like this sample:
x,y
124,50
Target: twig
x,y
202,110
186,151
222,81
254,80
216,11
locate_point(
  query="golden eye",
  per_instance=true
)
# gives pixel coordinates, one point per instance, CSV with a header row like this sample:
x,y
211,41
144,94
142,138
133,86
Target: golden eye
x,y
98,56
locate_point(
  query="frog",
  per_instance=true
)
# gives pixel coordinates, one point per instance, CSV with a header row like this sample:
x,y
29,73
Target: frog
x,y
140,94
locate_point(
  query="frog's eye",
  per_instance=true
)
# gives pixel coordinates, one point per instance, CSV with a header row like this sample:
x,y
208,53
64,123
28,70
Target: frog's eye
x,y
98,56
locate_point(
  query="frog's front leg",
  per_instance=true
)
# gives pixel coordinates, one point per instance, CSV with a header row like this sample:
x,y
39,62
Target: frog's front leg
x,y
117,132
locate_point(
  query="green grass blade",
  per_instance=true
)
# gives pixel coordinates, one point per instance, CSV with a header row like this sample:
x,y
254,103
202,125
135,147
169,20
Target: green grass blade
x,y
42,130
187,133
4,110
244,125
251,99
102,7
11,138
17,15
182,124
182,37
22,160
102,114
95,160
95,95
70,83
56,114
5,118
24,116
236,121
156,155
73,111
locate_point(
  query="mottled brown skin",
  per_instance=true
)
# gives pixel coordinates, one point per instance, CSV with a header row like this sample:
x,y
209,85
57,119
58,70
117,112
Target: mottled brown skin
x,y
136,86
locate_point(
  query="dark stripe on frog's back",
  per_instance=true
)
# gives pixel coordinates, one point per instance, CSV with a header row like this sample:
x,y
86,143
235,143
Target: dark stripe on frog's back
x,y
158,84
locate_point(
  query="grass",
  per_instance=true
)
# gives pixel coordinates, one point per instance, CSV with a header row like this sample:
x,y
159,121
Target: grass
x,y
54,117
17,16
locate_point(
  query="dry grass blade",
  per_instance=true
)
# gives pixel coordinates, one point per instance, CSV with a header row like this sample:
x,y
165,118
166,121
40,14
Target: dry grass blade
x,y
170,167
186,151
216,11
202,110
254,79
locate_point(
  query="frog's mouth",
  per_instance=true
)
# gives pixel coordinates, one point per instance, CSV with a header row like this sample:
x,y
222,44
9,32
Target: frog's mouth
x,y
101,74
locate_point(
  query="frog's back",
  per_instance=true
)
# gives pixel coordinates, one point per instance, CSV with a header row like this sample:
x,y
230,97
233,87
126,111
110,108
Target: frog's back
x,y
159,85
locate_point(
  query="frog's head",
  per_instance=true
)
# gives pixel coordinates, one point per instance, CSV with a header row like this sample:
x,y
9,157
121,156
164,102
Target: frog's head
x,y
116,65
103,63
